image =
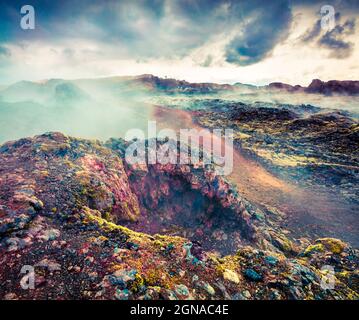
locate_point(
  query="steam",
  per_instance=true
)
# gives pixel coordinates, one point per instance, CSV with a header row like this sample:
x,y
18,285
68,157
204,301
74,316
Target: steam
x,y
349,104
82,110
109,107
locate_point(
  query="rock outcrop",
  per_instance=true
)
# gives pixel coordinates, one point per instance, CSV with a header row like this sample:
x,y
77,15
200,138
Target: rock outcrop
x,y
67,207
332,87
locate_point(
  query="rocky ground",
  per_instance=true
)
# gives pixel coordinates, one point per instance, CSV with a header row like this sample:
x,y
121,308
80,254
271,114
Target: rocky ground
x,y
301,143
96,227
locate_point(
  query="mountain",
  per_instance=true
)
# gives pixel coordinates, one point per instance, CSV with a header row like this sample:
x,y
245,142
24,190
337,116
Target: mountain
x,y
284,86
67,90
25,90
169,85
333,87
53,91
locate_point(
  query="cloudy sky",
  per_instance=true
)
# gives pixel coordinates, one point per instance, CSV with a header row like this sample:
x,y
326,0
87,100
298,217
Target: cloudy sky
x,y
250,41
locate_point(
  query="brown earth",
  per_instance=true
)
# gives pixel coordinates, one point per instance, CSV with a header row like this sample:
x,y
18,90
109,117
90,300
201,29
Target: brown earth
x,y
309,212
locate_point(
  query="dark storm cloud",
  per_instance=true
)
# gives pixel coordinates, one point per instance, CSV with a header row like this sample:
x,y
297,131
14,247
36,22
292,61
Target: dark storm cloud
x,y
335,39
260,35
313,33
145,29
337,4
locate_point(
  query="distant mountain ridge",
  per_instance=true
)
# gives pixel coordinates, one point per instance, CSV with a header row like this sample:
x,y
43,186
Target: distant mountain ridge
x,y
149,82
346,87
53,90
169,84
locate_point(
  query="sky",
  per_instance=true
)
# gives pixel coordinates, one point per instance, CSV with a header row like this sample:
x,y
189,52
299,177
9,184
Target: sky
x,y
224,41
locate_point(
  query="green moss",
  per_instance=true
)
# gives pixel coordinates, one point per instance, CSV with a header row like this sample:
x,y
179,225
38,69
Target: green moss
x,y
153,278
137,284
54,148
285,160
282,242
107,216
314,248
334,245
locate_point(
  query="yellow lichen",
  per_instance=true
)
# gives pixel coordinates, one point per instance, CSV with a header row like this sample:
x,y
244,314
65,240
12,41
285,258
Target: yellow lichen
x,y
314,248
241,136
334,245
285,160
137,284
